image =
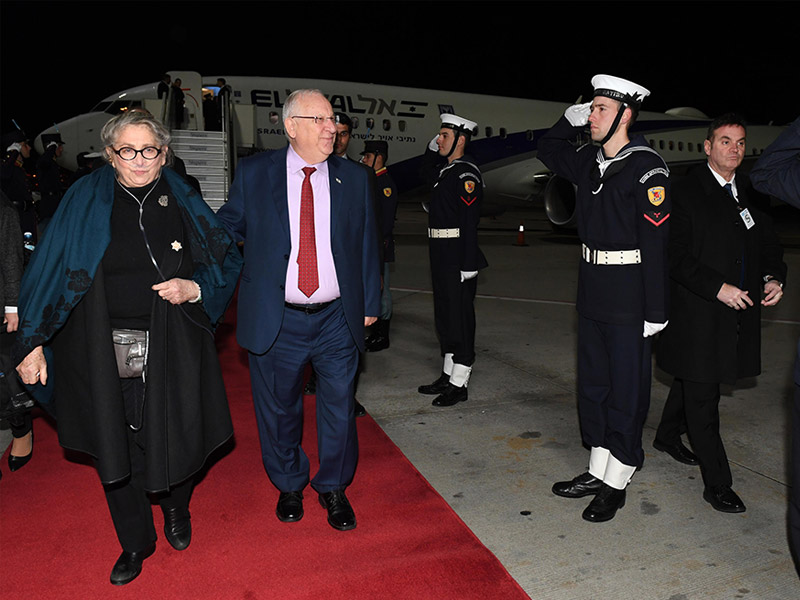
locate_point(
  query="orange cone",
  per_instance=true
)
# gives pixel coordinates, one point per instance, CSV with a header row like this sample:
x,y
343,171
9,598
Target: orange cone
x,y
521,236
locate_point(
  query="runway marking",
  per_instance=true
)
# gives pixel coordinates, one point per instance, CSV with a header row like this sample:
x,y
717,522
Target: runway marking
x,y
559,302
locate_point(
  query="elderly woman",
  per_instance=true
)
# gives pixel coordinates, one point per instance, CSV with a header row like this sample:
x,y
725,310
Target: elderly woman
x,y
132,247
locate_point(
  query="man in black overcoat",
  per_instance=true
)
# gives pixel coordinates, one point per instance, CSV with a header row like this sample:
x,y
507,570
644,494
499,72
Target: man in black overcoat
x,y
725,263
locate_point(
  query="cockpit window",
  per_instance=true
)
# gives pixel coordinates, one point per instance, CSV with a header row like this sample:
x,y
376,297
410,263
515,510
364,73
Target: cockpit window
x,y
116,107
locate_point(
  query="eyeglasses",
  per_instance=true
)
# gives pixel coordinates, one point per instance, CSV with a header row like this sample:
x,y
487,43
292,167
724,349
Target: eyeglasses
x,y
128,153
319,119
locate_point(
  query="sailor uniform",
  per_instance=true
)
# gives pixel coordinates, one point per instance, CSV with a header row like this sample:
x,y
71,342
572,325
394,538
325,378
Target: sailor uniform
x,y
622,209
453,218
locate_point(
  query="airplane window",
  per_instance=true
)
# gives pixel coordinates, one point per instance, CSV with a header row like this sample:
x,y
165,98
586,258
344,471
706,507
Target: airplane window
x,y
488,132
660,144
274,117
690,147
370,123
387,125
529,135
355,122
401,125
671,145
503,132
680,146
652,143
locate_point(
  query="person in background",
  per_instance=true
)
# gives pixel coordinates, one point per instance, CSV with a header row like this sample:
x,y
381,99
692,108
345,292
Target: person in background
x,y
725,264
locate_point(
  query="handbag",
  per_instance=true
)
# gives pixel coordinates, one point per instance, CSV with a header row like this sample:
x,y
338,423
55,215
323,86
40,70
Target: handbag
x,y
130,349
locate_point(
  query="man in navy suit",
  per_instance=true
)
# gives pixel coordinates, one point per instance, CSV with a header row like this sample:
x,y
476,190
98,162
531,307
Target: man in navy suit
x,y
285,323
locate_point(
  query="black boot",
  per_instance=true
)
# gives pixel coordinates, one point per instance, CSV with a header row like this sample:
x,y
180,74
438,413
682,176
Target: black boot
x,y
437,387
452,395
177,527
605,504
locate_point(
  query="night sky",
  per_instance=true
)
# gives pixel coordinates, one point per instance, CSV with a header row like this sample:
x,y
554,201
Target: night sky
x,y
60,58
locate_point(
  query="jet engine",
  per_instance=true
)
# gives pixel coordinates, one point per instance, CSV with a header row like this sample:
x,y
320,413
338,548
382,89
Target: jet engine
x,y
559,203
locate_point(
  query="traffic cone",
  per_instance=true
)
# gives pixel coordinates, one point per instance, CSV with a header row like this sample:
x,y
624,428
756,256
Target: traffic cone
x,y
521,236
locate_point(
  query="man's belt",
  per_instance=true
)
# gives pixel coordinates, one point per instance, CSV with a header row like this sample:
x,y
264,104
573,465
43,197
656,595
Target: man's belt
x,y
611,257
309,309
444,233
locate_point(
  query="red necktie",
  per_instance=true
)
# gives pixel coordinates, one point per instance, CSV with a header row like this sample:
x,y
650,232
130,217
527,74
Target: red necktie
x,y
307,276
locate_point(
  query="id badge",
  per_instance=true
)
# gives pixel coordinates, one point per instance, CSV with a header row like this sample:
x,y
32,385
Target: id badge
x,y
747,218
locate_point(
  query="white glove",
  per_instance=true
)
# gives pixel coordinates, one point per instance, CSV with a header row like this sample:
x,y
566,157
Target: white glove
x,y
653,328
468,275
432,145
578,114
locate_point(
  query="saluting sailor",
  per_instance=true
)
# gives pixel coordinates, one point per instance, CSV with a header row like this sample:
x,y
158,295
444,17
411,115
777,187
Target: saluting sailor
x,y
453,217
622,209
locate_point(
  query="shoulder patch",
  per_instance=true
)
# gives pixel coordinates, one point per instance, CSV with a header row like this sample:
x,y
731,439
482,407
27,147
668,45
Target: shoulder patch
x,y
656,195
469,186
658,171
387,191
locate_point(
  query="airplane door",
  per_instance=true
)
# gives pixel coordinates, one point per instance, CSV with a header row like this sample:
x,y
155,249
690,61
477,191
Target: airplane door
x,y
192,86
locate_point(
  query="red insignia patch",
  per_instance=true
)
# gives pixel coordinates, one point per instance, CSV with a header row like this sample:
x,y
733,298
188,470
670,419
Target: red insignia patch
x,y
468,201
469,186
656,219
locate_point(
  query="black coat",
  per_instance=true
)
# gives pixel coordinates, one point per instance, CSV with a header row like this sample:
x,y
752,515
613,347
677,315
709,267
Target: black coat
x,y
707,341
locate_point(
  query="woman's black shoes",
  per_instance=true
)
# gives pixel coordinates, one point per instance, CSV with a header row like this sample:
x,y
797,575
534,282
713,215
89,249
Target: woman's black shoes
x,y
15,463
129,565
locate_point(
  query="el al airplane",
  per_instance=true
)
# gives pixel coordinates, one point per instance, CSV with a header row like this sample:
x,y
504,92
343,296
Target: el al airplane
x,y
407,118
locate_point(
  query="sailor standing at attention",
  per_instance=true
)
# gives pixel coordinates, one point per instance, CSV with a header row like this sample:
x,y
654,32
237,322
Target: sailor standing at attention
x,y
622,209
453,216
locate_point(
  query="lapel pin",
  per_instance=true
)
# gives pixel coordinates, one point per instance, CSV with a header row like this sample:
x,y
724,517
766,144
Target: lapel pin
x,y
338,180
163,200
176,245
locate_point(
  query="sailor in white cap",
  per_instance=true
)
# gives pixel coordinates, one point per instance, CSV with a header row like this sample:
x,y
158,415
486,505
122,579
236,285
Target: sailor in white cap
x,y
622,209
453,217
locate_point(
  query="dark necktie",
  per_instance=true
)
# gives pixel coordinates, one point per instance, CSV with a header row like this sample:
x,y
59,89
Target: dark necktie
x,y
729,188
307,276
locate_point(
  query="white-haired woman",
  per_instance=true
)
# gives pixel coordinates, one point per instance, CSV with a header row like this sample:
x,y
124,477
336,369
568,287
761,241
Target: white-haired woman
x,y
133,254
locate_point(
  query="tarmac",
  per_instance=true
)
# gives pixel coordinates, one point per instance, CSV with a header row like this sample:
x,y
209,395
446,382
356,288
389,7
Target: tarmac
x,y
495,457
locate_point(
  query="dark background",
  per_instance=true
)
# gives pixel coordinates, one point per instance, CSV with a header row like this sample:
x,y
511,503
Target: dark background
x,y
60,58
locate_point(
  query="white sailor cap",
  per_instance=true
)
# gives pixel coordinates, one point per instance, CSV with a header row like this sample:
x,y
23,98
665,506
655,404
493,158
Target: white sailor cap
x,y
459,123
619,89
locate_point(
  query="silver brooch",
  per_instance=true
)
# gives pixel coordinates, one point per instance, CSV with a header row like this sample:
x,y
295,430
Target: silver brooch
x,y
176,245
163,200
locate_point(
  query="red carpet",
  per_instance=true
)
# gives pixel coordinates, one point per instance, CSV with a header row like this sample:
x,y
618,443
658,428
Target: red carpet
x,y
57,540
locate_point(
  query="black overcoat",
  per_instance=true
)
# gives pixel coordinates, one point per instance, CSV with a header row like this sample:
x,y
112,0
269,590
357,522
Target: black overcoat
x,y
709,244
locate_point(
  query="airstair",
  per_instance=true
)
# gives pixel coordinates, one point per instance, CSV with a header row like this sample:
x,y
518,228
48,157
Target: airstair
x,y
206,156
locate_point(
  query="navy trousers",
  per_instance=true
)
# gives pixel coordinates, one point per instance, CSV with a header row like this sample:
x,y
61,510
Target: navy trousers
x,y
614,368
323,340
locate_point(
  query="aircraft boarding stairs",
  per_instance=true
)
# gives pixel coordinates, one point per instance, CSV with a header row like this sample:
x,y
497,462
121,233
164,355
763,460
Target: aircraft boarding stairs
x,y
206,157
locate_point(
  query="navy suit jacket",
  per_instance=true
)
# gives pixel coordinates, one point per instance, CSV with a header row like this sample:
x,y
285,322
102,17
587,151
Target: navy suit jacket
x,y
257,213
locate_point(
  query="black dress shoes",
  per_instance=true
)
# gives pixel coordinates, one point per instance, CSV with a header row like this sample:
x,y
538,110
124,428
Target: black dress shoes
x,y
359,409
677,451
290,507
452,395
437,387
177,527
605,504
129,565
340,513
724,499
582,485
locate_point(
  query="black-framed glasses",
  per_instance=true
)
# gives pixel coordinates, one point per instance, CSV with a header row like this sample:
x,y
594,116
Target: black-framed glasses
x,y
128,153
319,119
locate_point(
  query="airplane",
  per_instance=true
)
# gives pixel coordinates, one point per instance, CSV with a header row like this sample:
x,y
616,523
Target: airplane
x,y
505,147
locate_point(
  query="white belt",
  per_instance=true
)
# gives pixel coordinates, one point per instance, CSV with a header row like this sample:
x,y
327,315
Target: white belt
x,y
611,257
444,233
